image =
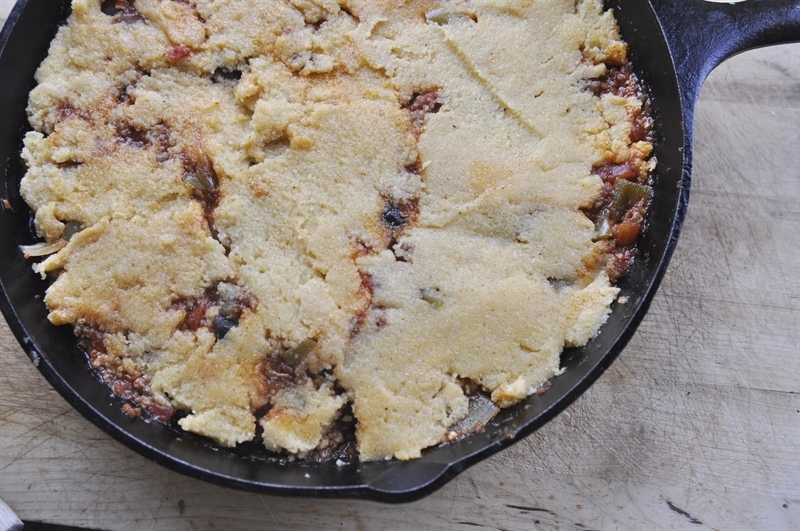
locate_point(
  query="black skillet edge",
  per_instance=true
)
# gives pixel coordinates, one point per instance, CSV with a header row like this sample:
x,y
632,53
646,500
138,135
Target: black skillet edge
x,y
383,481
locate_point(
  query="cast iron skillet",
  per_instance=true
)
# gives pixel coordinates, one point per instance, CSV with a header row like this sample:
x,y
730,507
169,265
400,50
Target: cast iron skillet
x,y
674,44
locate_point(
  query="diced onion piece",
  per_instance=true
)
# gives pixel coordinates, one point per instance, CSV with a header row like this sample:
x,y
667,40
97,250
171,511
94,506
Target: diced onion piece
x,y
603,230
195,182
71,229
481,411
42,248
433,297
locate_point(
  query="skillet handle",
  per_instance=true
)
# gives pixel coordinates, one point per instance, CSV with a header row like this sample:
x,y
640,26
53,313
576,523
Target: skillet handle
x,y
701,34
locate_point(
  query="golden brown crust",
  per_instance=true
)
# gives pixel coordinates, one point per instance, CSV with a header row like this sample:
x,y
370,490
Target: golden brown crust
x,y
276,209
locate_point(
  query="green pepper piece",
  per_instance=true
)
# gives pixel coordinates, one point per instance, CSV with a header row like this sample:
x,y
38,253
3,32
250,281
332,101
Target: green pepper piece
x,y
626,194
297,353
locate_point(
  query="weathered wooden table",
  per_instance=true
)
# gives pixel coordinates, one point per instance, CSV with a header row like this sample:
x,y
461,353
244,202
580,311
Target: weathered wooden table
x,y
696,425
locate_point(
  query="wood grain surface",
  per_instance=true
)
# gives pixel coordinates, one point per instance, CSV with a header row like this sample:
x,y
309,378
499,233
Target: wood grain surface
x,y
695,426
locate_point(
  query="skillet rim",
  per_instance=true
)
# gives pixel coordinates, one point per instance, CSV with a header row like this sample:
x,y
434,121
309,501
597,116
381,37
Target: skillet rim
x,y
397,481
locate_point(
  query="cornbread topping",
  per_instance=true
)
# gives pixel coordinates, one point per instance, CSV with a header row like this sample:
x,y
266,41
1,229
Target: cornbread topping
x,y
287,220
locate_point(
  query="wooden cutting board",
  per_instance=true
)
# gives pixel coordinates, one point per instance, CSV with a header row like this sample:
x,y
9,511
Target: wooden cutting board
x,y
696,425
